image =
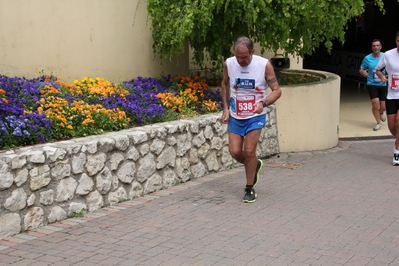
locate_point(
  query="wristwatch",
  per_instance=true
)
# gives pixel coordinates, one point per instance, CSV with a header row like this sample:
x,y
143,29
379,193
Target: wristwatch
x,y
264,104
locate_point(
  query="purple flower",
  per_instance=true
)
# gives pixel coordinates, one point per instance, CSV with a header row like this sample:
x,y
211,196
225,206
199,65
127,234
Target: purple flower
x,y
18,128
142,106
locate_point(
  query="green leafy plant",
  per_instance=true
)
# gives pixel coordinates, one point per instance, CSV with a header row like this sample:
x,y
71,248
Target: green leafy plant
x,y
295,78
78,214
295,26
283,78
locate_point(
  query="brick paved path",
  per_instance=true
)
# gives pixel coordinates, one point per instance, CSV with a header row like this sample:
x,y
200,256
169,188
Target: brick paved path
x,y
334,207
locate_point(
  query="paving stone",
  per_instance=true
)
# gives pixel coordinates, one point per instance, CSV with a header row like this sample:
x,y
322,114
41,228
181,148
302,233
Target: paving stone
x,y
333,207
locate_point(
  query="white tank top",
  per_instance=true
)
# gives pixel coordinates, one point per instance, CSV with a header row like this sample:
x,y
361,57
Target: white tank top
x,y
247,86
390,61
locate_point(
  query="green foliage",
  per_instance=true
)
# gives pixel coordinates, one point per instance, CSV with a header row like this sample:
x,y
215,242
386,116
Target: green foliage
x,y
295,78
211,26
78,214
284,78
170,115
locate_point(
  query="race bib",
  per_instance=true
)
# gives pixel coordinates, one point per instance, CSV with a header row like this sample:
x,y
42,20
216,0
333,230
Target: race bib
x,y
375,77
245,105
395,82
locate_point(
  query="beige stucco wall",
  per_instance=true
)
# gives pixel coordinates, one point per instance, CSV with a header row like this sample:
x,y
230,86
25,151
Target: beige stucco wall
x,y
73,39
308,114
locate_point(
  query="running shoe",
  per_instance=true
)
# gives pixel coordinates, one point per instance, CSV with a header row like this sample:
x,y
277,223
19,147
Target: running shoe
x,y
383,117
258,168
250,195
377,127
395,159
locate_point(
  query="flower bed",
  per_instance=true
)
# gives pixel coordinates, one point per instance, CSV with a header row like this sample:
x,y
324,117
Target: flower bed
x,y
46,109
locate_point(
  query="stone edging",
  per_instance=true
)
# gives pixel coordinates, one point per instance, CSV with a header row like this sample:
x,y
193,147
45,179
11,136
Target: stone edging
x,y
50,182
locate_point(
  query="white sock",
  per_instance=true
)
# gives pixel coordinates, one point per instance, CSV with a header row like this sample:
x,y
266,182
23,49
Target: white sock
x,y
395,151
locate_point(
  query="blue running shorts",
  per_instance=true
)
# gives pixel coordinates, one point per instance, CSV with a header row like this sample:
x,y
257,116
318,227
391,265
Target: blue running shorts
x,y
243,126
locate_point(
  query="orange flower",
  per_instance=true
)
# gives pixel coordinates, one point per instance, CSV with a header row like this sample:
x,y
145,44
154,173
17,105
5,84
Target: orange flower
x,y
87,121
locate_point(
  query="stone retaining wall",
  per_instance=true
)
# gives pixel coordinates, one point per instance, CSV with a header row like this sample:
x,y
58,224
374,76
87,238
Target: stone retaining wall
x,y
49,182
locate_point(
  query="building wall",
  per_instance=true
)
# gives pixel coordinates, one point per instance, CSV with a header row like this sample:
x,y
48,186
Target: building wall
x,y
75,39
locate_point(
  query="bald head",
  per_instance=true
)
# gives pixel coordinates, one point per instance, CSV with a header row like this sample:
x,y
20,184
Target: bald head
x,y
244,41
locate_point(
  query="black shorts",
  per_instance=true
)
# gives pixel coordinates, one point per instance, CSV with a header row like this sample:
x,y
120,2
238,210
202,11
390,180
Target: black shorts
x,y
379,92
392,106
